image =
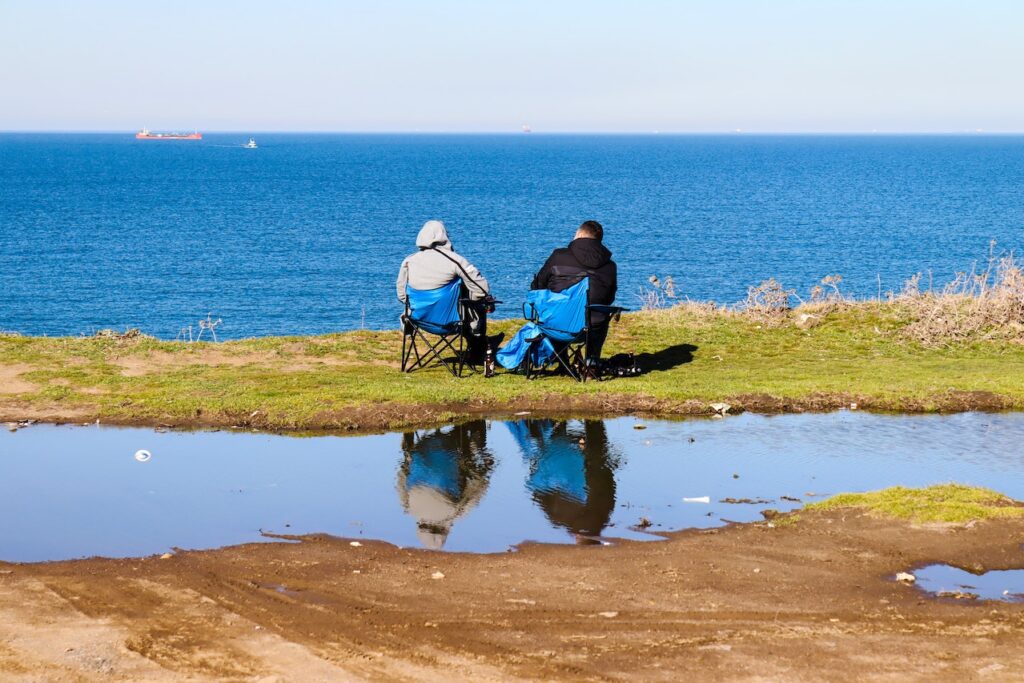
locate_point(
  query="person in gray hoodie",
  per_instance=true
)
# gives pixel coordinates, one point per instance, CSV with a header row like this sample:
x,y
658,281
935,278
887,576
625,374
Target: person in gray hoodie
x,y
435,265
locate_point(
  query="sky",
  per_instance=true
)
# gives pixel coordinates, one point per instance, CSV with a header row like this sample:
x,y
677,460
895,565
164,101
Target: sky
x,y
475,66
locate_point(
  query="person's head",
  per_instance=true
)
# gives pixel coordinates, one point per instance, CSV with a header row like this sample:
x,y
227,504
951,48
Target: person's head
x,y
590,230
433,234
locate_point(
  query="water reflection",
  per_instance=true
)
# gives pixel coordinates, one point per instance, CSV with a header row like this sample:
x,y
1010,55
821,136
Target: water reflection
x,y
79,491
444,474
571,472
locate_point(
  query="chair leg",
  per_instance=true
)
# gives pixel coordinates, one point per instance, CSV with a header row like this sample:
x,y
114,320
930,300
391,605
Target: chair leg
x,y
407,344
568,358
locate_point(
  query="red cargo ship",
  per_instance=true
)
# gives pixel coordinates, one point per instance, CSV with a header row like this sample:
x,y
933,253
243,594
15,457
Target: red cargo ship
x,y
145,134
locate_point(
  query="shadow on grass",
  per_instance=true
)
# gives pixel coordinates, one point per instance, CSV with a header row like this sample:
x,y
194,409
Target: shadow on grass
x,y
666,359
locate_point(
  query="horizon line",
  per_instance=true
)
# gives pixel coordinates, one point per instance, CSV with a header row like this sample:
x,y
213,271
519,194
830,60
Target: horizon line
x,y
504,131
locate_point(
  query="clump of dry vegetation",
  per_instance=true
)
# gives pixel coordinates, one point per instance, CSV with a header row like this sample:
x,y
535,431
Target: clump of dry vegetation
x,y
976,305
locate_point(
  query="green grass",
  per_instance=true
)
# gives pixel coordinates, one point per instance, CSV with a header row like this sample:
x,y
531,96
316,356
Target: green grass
x,y
351,380
953,503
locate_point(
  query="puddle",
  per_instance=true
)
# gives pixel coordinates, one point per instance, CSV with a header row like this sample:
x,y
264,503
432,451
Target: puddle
x,y
483,486
944,581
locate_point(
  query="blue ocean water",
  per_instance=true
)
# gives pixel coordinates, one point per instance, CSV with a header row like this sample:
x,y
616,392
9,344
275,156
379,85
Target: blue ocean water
x,y
305,234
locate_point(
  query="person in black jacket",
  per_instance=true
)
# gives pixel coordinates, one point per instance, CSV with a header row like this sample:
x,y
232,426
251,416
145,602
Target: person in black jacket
x,y
584,256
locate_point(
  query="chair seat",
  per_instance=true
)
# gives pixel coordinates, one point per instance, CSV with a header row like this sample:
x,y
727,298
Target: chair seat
x,y
434,328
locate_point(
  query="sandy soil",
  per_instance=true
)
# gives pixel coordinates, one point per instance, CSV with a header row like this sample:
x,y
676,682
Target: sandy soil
x,y
801,602
11,381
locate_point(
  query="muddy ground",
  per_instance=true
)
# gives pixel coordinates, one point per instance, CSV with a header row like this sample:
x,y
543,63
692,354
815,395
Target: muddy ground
x,y
807,601
379,417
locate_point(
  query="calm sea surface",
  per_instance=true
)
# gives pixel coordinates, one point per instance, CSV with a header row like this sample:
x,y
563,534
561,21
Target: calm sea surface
x,y
305,234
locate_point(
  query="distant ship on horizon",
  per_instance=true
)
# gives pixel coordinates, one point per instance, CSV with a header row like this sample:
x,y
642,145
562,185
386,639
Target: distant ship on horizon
x,y
146,134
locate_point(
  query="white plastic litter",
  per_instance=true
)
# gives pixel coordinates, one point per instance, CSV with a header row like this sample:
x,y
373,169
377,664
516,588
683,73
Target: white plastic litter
x,y
143,455
702,499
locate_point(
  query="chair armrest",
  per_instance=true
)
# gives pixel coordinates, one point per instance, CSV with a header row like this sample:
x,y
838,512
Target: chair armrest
x,y
610,310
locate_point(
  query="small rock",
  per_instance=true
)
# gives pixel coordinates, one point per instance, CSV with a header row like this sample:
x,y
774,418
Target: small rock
x,y
608,615
992,668
437,575
166,556
355,544
644,523
639,425
770,513
906,577
691,439
757,570
716,647
356,571
807,320
735,476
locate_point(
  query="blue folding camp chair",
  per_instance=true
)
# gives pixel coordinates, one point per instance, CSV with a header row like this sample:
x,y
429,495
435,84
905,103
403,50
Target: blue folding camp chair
x,y
437,312
563,322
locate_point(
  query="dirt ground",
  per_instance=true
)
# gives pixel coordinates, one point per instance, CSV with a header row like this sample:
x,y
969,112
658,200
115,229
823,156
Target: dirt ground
x,y
378,417
808,601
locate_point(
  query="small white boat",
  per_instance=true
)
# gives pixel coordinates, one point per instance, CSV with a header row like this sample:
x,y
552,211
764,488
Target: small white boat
x,y
251,144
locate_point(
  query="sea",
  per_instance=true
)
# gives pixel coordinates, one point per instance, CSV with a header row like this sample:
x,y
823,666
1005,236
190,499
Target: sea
x,y
304,234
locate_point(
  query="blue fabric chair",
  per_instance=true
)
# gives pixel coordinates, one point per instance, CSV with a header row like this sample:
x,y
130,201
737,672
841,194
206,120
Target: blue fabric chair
x,y
435,312
556,333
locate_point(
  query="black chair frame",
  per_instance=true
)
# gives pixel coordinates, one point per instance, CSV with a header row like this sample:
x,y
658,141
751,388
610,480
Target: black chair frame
x,y
570,356
455,341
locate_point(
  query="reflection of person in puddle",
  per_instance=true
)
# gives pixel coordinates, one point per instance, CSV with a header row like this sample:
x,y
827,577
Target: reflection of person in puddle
x,y
443,475
572,473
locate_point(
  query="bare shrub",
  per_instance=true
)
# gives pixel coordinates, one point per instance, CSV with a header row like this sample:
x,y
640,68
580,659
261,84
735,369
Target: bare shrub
x,y
827,291
658,295
767,301
985,304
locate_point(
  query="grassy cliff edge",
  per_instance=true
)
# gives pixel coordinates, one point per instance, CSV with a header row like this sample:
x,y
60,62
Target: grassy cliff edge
x,y
809,359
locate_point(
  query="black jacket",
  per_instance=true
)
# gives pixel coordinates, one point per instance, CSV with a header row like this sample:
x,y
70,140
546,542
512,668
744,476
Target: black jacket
x,y
567,266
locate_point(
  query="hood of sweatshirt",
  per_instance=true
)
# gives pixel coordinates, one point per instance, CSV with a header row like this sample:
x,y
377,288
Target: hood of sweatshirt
x,y
590,252
433,234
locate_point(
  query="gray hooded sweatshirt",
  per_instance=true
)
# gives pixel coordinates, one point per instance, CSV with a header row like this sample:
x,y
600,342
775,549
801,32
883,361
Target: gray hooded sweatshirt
x,y
436,264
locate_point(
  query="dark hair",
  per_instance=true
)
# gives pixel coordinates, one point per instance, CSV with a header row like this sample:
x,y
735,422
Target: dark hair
x,y
593,229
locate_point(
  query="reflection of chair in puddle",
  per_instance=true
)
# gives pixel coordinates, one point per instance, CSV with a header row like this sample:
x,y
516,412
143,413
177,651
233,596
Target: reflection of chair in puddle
x,y
573,481
443,475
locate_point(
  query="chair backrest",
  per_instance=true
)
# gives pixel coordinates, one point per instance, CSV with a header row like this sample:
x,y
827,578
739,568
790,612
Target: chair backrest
x,y
562,316
436,310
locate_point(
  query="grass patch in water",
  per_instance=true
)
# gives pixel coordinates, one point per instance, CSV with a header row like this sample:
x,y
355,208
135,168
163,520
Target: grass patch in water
x,y
953,503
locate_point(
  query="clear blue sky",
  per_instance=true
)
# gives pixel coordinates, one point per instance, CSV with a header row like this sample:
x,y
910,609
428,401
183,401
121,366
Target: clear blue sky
x,y
471,65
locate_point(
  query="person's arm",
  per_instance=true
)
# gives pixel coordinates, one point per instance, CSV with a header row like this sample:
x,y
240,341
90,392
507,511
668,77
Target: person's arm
x,y
543,276
402,281
476,283
614,283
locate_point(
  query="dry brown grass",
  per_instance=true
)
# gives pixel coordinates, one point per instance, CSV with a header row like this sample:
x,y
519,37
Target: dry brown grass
x,y
975,306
